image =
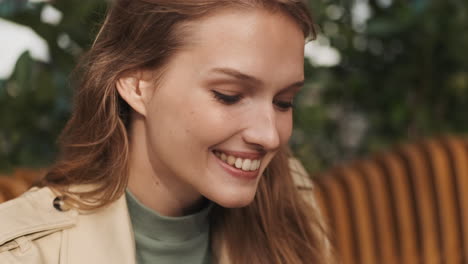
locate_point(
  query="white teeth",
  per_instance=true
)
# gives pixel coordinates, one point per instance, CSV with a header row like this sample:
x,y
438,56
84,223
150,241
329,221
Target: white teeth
x,y
246,164
238,163
231,160
257,164
254,165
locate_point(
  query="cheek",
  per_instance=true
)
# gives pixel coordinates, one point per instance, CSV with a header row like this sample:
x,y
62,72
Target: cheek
x,y
213,125
203,123
285,125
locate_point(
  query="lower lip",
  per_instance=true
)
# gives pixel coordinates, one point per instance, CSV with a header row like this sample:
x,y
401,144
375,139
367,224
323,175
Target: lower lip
x,y
248,175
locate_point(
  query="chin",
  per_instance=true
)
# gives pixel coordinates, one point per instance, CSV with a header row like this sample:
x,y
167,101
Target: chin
x,y
234,201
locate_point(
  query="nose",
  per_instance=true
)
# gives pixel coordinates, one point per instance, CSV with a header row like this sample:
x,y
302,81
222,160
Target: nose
x,y
262,129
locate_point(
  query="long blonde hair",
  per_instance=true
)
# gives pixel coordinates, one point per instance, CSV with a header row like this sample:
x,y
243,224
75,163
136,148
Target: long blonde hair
x,y
277,227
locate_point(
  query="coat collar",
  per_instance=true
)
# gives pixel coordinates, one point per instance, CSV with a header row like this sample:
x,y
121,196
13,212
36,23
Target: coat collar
x,y
102,236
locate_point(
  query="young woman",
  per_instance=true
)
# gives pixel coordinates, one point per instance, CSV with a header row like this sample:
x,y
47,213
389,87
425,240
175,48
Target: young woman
x,y
176,151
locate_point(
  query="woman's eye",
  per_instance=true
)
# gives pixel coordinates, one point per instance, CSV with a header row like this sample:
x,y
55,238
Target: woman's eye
x,y
226,99
283,105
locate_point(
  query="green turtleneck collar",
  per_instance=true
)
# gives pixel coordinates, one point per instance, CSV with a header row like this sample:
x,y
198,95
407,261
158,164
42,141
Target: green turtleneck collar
x,y
163,239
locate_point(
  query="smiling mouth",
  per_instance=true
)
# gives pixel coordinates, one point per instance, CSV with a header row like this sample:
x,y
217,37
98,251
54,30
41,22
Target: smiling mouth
x,y
237,162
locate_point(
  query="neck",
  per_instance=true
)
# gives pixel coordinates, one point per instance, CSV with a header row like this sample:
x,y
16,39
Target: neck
x,y
152,184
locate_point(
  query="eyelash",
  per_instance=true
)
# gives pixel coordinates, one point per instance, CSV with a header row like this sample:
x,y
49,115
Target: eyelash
x,y
226,99
283,105
232,99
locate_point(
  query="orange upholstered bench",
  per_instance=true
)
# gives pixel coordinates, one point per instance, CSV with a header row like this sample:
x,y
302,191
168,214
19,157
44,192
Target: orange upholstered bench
x,y
405,206
18,182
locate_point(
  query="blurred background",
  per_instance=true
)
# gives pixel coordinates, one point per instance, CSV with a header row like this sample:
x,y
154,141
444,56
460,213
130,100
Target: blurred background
x,y
379,72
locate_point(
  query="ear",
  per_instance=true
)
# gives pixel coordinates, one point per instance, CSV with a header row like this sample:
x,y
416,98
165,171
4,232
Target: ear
x,y
134,90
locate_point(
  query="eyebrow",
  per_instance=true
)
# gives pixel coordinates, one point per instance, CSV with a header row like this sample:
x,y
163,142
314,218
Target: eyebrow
x,y
250,79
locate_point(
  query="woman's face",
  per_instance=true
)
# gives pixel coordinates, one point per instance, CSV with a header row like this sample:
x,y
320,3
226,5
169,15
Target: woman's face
x,y
225,98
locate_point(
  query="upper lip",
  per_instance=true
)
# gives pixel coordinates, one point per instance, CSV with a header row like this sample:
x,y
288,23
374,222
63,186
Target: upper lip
x,y
242,154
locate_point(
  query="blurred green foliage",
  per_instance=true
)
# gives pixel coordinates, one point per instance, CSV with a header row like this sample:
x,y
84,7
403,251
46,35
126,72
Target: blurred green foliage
x,y
403,75
35,101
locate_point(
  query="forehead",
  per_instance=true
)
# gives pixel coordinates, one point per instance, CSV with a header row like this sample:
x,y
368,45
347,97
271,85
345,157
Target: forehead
x,y
269,46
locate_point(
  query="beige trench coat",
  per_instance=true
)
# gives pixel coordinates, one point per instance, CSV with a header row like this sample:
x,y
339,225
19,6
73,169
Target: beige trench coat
x,y
32,231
